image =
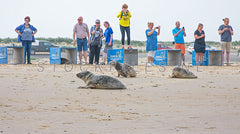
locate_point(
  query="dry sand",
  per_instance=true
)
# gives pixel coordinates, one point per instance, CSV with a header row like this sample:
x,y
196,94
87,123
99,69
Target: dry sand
x,y
51,102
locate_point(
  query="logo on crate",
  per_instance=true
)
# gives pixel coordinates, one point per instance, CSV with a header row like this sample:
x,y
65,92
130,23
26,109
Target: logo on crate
x,y
55,55
3,53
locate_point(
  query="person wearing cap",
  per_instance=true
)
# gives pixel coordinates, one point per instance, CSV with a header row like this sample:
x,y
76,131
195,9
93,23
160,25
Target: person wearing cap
x,y
124,15
178,34
226,32
96,42
151,45
82,32
26,34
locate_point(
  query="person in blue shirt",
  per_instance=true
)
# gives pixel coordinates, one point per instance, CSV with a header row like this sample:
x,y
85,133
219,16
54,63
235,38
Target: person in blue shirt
x,y
151,45
108,34
178,34
226,32
26,34
96,42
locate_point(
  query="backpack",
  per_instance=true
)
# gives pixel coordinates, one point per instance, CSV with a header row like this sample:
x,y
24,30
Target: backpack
x,y
95,41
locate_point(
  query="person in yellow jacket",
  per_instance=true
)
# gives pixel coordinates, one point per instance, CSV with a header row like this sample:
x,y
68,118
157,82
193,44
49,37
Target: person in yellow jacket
x,y
124,22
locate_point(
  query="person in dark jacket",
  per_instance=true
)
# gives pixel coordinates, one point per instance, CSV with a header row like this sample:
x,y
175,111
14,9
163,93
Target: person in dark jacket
x,y
96,42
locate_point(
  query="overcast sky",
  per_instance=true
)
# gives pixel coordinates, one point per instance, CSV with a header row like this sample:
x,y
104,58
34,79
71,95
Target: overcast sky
x,y
56,18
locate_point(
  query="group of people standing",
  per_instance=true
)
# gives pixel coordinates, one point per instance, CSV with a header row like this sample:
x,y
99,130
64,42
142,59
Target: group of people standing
x,y
225,31
82,37
93,39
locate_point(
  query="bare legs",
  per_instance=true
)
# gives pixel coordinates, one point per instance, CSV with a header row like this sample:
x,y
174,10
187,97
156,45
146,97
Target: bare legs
x,y
183,59
199,56
104,57
150,59
227,57
84,54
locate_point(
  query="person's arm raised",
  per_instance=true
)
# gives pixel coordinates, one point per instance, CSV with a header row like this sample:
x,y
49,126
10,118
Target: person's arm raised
x,y
158,33
150,33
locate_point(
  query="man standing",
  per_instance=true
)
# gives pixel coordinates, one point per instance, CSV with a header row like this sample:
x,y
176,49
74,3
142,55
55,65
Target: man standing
x,y
178,34
82,32
226,32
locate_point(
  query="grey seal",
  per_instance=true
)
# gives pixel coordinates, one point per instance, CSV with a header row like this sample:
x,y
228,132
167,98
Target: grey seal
x,y
178,72
124,70
65,61
100,81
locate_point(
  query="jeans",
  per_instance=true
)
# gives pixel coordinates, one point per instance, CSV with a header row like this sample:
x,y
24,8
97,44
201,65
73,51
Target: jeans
x,y
94,53
27,50
82,44
123,29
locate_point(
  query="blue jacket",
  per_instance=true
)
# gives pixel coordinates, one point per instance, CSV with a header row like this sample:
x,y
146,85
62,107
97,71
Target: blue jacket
x,y
21,28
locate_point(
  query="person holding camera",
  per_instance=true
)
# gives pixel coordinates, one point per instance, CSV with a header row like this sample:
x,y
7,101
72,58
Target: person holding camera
x,y
199,44
124,22
178,34
26,34
96,42
226,32
151,45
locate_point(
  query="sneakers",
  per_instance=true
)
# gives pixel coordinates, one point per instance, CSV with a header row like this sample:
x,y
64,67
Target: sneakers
x,y
228,64
102,63
129,47
201,64
153,64
149,64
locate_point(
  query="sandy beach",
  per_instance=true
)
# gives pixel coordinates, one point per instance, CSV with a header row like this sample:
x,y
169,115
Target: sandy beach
x,y
52,102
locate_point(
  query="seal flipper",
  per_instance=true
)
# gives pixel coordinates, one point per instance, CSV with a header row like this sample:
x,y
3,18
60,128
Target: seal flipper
x,y
91,85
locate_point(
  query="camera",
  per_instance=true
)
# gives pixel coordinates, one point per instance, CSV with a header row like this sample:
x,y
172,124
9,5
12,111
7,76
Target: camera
x,y
156,27
183,28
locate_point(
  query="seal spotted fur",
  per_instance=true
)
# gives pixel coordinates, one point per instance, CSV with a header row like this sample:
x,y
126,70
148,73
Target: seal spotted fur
x,y
124,70
100,81
182,73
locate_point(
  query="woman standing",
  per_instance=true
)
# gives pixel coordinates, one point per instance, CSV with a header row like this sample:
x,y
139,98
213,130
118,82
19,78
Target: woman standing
x,y
151,45
26,34
108,34
124,22
96,42
199,45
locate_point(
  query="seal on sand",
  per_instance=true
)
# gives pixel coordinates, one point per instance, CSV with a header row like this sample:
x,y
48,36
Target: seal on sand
x,y
182,73
65,61
124,70
100,81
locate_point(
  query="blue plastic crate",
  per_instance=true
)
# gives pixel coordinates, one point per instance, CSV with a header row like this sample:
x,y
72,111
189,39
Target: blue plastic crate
x,y
3,55
115,55
160,57
207,58
55,56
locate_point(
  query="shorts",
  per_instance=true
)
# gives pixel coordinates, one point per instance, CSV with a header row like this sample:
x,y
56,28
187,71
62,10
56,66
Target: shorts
x,y
199,48
82,44
107,47
151,53
180,46
226,46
